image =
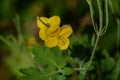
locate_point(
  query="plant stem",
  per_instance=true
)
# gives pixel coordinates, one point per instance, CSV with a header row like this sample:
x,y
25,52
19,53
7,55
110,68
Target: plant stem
x,y
91,14
100,16
93,51
101,29
16,21
98,34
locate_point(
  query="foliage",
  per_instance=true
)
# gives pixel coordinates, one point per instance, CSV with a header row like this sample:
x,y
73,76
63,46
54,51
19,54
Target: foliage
x,y
20,53
91,52
51,64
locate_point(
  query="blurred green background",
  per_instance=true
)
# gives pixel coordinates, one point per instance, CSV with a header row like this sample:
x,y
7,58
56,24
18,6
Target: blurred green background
x,y
17,39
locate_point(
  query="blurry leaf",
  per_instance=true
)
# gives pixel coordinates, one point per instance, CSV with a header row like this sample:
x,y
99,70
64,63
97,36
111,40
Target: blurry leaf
x,y
115,75
107,64
61,77
43,55
49,61
67,71
60,59
22,78
46,56
82,75
29,71
7,42
91,67
116,5
108,40
45,59
61,62
32,74
73,61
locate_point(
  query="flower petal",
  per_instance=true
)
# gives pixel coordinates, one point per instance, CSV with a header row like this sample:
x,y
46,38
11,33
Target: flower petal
x,y
63,43
66,31
40,24
54,21
42,33
53,31
51,41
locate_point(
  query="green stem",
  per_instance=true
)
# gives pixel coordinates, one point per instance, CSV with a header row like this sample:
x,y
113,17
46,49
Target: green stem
x,y
16,21
8,43
103,31
93,51
100,16
101,28
106,13
91,14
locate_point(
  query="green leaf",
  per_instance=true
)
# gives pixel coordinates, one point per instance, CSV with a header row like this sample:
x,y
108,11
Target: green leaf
x,y
22,78
32,74
42,54
45,56
59,57
48,61
107,64
91,67
82,75
60,77
67,71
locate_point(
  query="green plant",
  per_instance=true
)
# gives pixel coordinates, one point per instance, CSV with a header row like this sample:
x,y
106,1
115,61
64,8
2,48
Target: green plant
x,y
20,54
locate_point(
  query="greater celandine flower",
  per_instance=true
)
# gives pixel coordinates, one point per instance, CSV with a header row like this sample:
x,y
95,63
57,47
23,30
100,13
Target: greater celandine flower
x,y
52,34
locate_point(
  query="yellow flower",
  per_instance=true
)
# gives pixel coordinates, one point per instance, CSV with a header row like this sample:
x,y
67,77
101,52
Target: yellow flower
x,y
61,40
48,26
52,34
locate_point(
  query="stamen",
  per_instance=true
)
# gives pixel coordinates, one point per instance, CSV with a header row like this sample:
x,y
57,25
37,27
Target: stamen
x,y
44,23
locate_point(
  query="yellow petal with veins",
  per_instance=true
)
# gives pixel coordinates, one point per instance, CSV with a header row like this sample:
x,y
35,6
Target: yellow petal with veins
x,y
54,21
54,25
42,33
63,43
66,31
41,24
53,31
51,41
